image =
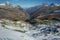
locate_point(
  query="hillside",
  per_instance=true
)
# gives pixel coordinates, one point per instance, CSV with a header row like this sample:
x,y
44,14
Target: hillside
x,y
9,11
45,11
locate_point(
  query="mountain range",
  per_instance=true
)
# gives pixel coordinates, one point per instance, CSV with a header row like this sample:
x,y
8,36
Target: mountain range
x,y
44,11
32,14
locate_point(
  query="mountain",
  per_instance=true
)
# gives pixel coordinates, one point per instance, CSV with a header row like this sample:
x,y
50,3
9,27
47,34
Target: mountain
x,y
32,10
40,8
45,11
13,12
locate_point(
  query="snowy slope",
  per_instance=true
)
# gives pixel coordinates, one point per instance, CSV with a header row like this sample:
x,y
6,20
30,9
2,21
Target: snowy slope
x,y
10,34
31,33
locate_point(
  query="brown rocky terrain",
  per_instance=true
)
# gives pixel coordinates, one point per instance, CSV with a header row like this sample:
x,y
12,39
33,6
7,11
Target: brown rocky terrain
x,y
46,12
12,12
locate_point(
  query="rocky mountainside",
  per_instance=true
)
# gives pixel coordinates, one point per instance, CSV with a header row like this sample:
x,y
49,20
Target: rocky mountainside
x,y
13,12
45,11
42,8
32,9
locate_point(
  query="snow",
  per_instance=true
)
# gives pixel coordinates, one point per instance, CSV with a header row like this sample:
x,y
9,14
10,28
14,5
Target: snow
x,y
31,34
10,34
6,34
2,4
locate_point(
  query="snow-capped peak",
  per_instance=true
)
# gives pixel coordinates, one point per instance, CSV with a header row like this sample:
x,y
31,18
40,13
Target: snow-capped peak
x,y
57,4
3,4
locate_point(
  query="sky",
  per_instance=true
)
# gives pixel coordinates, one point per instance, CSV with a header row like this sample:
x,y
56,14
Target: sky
x,y
30,3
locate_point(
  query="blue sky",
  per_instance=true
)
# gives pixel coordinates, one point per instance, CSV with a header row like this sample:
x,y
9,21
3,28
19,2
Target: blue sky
x,y
30,3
